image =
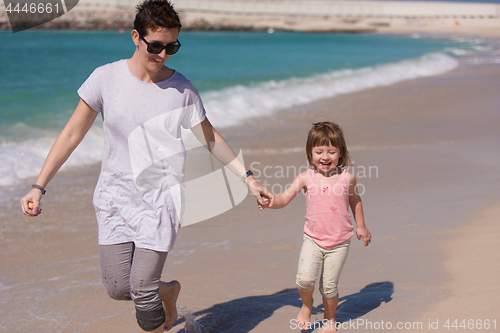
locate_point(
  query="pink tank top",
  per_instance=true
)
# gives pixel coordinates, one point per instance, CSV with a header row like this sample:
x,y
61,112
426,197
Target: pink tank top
x,y
328,221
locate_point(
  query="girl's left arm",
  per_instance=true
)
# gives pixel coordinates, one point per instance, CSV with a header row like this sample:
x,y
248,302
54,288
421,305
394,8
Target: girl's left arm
x,y
357,209
217,145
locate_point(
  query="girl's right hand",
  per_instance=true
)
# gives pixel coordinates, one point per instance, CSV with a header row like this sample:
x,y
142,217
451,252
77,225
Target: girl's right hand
x,y
30,203
264,204
260,192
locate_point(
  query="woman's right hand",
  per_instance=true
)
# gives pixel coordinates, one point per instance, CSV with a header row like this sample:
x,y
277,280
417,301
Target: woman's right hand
x,y
30,203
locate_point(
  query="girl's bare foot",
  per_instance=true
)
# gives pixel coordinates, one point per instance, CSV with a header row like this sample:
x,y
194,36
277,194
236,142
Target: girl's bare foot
x,y
330,305
304,317
169,293
329,326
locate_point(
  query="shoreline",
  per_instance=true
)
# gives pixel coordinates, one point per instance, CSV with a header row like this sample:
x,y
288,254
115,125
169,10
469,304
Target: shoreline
x,y
381,79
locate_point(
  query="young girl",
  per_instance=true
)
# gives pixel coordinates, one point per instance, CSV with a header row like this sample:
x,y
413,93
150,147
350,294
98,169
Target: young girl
x,y
330,191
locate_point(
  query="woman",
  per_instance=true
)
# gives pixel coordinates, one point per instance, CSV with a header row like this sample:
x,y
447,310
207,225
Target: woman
x,y
138,196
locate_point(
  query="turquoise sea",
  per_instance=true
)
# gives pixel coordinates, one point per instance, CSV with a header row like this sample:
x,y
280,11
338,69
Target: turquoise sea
x,y
240,75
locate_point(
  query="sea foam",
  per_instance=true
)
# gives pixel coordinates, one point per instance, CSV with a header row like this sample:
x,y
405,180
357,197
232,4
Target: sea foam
x,y
24,159
231,107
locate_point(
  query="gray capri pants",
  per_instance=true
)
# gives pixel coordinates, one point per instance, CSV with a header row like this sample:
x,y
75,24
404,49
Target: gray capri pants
x,y
131,273
312,256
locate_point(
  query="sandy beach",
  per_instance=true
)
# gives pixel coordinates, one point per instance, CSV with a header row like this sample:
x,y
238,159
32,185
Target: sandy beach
x,y
426,155
478,19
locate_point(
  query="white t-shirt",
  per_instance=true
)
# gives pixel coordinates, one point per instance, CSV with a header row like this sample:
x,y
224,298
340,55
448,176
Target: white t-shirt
x,y
139,194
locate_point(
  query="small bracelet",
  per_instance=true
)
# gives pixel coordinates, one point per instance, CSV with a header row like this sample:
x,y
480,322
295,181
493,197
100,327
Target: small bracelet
x,y
39,188
246,175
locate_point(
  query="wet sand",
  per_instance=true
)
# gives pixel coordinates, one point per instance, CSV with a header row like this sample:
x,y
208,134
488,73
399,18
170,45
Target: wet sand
x,y
426,152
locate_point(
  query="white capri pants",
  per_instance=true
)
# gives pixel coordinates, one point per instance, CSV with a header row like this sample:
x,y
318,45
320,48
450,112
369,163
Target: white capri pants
x,y
311,257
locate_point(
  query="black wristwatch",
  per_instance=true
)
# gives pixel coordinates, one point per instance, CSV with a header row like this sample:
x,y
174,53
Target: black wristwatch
x,y
246,175
39,187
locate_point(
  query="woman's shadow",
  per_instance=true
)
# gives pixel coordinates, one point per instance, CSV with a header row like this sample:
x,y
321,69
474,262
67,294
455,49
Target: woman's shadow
x,y
243,314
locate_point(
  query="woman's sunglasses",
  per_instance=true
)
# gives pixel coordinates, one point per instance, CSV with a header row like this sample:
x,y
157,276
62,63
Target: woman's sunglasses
x,y
156,48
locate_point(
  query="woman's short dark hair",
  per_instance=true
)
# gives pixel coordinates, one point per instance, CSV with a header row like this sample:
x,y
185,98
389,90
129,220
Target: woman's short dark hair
x,y
154,15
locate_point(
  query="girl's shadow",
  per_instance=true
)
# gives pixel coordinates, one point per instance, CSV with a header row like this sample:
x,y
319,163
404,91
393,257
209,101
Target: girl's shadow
x,y
366,300
244,314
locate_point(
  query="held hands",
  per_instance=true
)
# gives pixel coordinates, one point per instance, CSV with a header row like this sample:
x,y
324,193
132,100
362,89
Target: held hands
x,y
365,233
30,204
262,194
265,203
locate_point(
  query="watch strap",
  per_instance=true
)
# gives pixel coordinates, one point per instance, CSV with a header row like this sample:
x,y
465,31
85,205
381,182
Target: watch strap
x,y
246,175
39,188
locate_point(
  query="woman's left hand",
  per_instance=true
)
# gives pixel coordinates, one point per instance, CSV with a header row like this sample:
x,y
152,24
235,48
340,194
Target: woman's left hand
x,y
259,191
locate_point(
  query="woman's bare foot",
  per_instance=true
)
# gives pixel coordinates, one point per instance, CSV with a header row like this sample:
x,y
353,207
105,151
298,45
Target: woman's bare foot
x,y
169,291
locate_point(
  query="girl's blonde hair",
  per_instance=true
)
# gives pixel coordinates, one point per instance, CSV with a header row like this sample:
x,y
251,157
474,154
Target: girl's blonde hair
x,y
324,134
